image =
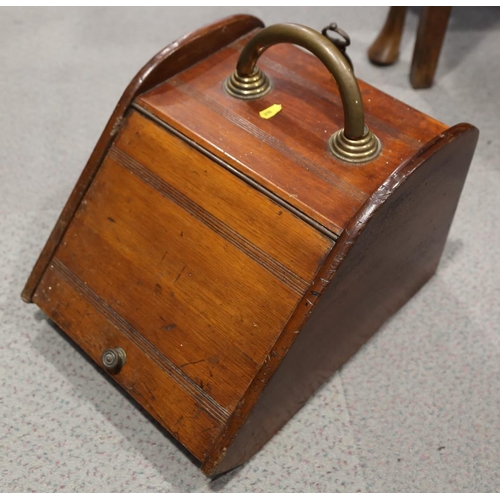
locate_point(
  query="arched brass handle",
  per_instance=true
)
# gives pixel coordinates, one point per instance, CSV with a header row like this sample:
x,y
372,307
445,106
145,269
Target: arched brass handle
x,y
354,143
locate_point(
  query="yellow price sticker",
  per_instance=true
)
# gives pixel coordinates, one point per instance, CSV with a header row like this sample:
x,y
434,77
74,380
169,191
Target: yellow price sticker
x,y
270,111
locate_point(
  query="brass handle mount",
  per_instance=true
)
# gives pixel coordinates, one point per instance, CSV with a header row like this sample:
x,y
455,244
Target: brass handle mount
x,y
354,143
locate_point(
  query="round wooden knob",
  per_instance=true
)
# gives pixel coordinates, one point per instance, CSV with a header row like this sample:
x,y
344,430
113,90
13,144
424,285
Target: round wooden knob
x,y
113,359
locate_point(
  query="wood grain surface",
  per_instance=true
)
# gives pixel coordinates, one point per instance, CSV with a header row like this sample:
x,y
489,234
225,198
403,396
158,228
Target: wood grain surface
x,y
181,257
174,58
389,250
430,36
236,262
385,49
288,153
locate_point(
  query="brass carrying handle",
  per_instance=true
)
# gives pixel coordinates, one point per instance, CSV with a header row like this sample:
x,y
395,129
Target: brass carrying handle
x,y
355,143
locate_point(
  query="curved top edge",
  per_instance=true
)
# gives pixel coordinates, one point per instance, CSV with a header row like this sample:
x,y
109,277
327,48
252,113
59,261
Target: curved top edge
x,y
174,58
359,221
223,31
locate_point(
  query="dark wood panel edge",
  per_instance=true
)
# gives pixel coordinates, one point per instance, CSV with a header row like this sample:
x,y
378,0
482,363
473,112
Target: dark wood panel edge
x,y
359,222
173,59
218,460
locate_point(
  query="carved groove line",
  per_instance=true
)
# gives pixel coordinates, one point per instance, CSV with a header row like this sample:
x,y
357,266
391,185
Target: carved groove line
x,y
271,141
206,402
245,178
285,275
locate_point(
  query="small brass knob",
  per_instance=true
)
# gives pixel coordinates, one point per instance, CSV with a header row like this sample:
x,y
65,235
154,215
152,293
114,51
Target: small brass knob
x,y
113,359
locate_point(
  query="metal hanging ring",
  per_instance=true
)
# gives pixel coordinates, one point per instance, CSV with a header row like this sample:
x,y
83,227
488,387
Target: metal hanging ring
x,y
341,44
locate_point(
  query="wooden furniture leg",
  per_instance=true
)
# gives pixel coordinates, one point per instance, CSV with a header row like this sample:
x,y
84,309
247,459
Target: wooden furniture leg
x,y
430,35
385,49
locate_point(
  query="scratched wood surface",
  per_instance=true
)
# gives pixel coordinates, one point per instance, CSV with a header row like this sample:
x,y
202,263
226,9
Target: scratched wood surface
x,y
174,58
180,257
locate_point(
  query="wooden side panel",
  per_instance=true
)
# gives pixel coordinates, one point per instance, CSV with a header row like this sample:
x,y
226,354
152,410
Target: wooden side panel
x,y
388,251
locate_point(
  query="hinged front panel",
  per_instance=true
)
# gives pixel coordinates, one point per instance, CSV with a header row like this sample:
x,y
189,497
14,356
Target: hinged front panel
x,y
185,266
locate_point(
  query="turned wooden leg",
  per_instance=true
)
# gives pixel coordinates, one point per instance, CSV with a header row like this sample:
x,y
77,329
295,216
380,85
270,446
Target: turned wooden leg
x,y
385,49
430,35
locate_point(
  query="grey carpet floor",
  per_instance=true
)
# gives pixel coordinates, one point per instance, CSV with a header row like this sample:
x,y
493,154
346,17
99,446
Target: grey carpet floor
x,y
417,409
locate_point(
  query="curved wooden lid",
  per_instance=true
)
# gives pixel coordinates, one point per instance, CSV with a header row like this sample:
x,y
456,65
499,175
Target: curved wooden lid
x,y
288,154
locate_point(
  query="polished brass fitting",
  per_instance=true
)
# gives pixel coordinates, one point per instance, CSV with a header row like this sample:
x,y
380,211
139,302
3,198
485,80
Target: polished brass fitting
x,y
113,359
251,86
355,150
